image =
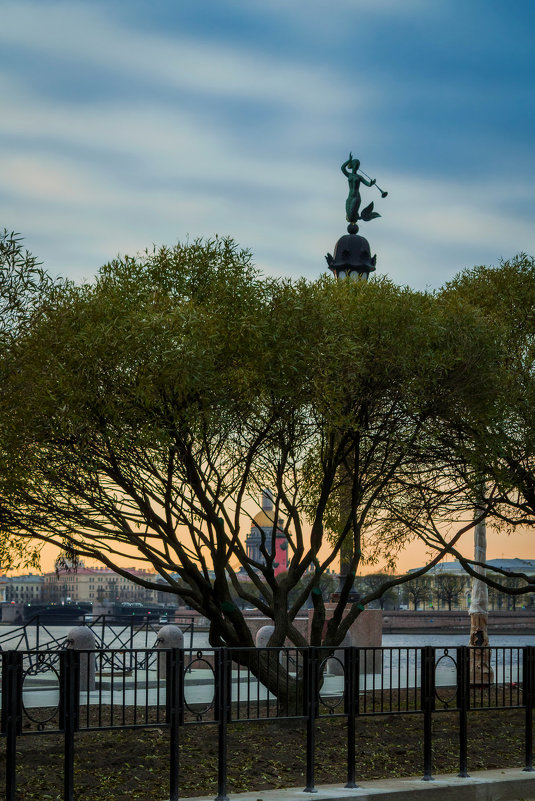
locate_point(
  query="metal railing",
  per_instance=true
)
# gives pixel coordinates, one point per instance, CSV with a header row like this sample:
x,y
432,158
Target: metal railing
x,y
67,691
110,630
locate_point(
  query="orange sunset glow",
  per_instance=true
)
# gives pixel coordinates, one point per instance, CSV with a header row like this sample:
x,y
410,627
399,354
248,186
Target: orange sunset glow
x,y
519,544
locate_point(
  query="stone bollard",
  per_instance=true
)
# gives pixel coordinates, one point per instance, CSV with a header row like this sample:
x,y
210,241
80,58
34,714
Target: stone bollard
x,y
169,636
263,636
81,638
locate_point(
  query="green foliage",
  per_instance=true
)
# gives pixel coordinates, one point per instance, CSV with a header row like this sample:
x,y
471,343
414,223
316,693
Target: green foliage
x,y
375,583
145,411
450,587
418,591
392,366
24,288
22,283
502,447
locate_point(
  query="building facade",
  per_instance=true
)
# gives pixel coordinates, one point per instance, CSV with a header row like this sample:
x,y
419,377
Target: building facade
x,y
447,585
97,584
24,589
262,532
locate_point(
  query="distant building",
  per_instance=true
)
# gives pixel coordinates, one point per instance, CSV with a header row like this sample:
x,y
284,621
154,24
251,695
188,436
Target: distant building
x,y
526,566
262,531
97,584
24,589
497,600
4,584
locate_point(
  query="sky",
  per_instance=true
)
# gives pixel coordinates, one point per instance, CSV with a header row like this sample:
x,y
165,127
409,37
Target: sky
x,y
127,123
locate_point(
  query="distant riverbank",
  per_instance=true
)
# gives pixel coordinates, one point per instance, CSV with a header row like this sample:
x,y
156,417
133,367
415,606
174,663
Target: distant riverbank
x,y
520,621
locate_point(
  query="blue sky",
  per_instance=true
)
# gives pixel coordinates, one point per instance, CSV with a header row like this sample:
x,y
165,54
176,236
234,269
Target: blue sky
x,y
130,123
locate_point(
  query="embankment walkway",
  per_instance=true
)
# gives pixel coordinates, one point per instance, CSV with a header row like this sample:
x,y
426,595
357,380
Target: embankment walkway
x,y
510,784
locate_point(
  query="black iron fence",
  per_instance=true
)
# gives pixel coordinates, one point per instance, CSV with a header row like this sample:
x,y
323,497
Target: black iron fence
x,y
137,630
67,691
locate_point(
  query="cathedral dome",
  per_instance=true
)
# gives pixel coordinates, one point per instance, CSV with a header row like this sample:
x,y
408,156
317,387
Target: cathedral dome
x,y
265,519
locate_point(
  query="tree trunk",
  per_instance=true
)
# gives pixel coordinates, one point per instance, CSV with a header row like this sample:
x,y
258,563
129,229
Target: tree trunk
x,y
281,672
481,672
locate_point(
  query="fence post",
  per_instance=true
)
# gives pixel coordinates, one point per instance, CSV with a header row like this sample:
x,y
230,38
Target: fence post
x,y
528,692
311,706
11,722
223,701
351,707
68,713
175,713
463,704
427,668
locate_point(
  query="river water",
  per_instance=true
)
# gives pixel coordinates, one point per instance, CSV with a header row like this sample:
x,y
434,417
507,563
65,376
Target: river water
x,y
117,637
399,667
453,640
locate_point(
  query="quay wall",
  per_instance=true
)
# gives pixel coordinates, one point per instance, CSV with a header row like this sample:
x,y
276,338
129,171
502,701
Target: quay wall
x,y
499,622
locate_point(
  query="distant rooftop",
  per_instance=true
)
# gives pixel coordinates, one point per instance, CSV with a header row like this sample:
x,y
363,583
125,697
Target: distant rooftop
x,y
514,565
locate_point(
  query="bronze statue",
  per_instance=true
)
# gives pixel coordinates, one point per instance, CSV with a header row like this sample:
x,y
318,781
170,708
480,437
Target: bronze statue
x,y
355,178
352,255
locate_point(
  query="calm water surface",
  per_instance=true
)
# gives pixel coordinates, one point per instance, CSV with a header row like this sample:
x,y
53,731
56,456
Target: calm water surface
x,y
11,637
453,640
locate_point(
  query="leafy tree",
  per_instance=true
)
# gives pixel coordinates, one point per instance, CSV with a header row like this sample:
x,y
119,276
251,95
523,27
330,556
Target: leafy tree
x,y
513,598
495,599
24,286
373,582
418,591
449,588
247,588
501,449
144,413
327,585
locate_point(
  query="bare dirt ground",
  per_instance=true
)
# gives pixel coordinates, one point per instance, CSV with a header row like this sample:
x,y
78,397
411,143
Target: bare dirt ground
x,y
133,765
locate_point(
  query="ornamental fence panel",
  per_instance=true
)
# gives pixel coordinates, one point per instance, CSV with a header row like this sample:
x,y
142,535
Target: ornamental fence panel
x,y
68,692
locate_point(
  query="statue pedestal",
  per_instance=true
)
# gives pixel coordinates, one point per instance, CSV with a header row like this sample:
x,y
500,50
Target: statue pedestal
x,y
365,632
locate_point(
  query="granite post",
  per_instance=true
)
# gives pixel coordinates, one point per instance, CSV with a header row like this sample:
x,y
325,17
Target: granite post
x,y
81,638
169,636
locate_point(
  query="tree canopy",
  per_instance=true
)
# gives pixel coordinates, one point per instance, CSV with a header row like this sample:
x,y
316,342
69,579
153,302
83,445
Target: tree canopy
x,y
144,412
23,284
501,447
